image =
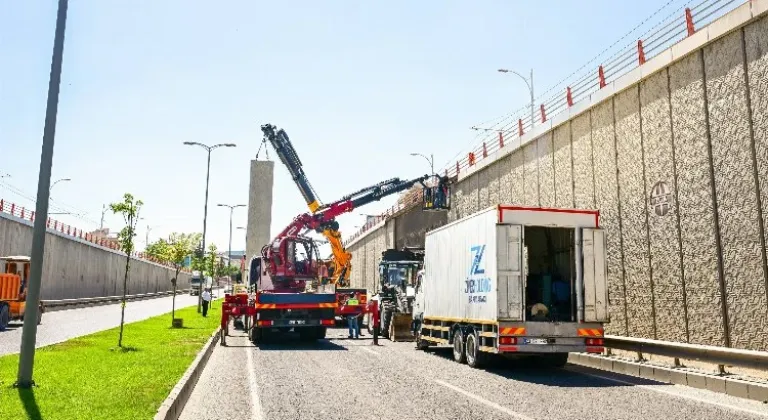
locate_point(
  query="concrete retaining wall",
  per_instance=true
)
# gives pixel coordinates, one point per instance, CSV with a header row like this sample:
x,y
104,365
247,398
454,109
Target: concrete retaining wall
x,y
675,157
74,268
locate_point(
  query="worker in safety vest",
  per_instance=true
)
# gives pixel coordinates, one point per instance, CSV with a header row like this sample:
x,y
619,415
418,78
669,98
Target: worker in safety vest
x,y
354,326
373,309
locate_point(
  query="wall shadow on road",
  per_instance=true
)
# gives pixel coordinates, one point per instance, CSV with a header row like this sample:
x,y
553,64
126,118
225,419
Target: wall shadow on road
x,y
27,397
573,376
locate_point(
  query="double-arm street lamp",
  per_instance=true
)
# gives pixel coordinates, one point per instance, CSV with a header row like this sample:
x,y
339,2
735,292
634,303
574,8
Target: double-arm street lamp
x,y
231,210
209,149
529,83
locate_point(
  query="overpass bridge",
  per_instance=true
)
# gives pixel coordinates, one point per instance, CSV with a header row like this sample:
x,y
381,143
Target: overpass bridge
x,y
673,151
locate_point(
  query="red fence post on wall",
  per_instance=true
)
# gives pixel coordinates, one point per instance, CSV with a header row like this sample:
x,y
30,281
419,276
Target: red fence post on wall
x,y
640,52
520,128
485,151
501,139
601,76
689,22
2,204
457,168
471,158
22,212
13,209
568,97
543,114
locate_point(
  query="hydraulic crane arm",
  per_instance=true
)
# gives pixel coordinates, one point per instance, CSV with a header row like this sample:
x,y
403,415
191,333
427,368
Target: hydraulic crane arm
x,y
284,149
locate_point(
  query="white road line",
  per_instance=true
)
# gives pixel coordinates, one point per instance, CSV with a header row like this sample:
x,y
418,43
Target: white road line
x,y
256,411
679,395
484,401
370,351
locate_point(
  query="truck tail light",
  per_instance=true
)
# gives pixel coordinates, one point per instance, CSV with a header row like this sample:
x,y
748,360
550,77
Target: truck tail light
x,y
264,323
594,341
508,340
363,299
330,322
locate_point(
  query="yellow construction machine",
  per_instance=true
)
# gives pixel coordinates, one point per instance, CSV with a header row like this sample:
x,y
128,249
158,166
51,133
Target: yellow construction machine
x,y
14,279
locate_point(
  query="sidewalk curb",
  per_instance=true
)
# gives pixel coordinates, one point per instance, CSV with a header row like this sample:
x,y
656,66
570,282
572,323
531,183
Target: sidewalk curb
x,y
172,407
712,382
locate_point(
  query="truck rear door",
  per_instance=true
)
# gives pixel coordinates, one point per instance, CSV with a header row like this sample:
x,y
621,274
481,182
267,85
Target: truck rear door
x,y
595,275
510,289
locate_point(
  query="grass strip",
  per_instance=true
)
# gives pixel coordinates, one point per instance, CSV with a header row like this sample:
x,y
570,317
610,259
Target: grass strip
x,y
90,378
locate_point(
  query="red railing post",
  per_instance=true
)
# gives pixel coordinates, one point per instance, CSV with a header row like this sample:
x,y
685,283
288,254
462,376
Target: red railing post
x,y
601,76
13,209
2,204
485,151
689,22
520,127
471,158
568,97
501,139
457,168
543,114
32,216
22,212
640,52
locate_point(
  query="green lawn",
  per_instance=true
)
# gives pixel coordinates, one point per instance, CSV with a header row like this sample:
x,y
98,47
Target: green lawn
x,y
86,378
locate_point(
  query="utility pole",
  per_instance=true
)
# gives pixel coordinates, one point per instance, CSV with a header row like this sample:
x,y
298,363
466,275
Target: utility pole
x,y
209,149
231,210
31,312
103,212
147,238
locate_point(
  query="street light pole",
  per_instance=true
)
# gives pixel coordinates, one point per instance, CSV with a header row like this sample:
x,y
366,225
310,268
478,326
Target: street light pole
x,y
529,83
430,159
29,330
209,149
231,210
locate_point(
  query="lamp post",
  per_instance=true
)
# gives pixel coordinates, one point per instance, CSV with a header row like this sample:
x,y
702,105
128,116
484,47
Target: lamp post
x,y
529,83
231,210
29,330
208,149
430,159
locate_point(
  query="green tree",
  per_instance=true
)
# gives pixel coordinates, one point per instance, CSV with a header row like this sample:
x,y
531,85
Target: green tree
x,y
178,248
210,260
129,208
157,249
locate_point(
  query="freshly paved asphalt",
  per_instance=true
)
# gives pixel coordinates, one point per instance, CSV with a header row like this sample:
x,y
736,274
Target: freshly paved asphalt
x,y
60,326
351,379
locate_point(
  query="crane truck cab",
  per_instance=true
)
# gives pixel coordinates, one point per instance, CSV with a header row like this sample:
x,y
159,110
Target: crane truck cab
x,y
14,279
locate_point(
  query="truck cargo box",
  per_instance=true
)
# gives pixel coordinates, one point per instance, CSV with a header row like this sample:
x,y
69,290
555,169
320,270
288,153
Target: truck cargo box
x,y
512,263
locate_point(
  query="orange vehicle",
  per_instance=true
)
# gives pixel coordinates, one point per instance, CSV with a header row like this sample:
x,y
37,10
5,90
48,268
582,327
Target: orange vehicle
x,y
14,277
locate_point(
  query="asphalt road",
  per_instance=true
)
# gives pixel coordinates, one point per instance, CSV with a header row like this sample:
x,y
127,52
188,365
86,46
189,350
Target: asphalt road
x,y
351,379
60,326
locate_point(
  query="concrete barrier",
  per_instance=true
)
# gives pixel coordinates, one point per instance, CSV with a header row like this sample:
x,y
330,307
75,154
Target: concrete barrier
x,y
74,268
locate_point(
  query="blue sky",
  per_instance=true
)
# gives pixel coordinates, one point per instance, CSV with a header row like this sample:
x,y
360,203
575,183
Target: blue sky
x,y
357,86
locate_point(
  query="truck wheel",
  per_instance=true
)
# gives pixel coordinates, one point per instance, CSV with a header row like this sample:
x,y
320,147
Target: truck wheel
x,y
459,351
420,343
475,357
5,316
257,336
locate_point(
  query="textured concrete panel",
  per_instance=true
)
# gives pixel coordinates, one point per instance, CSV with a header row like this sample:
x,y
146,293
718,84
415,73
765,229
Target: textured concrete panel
x,y
736,191
506,180
563,166
581,147
546,171
411,226
472,193
379,245
697,217
459,201
518,177
661,189
259,206
368,267
634,232
483,184
531,175
756,38
494,185
607,201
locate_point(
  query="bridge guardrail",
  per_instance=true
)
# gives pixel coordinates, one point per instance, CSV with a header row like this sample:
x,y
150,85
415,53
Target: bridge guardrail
x,y
707,354
54,305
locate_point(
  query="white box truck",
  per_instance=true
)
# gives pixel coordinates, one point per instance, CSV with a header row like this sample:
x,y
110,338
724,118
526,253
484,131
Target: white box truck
x,y
514,280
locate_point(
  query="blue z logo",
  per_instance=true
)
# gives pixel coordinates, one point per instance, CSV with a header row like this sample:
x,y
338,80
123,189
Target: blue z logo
x,y
478,251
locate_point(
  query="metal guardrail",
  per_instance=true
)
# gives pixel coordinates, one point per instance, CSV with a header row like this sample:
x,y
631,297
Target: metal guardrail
x,y
707,354
53,305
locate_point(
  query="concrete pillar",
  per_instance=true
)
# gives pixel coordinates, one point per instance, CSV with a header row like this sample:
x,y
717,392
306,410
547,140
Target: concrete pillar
x,y
259,207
